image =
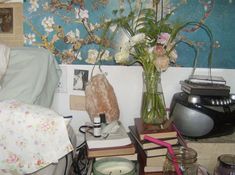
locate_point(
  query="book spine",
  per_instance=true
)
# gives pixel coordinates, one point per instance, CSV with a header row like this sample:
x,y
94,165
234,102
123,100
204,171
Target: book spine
x,y
141,154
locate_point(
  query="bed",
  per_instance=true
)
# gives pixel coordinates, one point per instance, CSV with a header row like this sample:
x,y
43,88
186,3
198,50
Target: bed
x,y
34,139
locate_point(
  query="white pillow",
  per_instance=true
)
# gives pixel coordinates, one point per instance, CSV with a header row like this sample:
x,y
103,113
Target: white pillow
x,y
4,59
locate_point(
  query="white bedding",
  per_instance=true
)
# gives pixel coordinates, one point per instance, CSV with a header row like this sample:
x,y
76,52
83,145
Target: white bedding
x,y
4,55
32,76
32,138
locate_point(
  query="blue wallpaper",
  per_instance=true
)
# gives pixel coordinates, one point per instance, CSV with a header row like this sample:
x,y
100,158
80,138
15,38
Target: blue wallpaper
x,y
59,26
221,20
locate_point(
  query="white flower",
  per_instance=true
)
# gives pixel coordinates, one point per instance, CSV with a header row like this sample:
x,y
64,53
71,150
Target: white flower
x,y
173,56
92,56
122,57
113,27
46,6
92,27
106,55
136,39
30,38
78,56
76,13
81,13
71,34
48,24
77,33
34,5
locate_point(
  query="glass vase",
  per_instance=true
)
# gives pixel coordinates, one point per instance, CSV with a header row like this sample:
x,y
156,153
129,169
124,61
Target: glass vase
x,y
153,110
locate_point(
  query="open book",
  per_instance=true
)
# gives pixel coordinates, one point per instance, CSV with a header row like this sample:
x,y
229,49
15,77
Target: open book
x,y
114,139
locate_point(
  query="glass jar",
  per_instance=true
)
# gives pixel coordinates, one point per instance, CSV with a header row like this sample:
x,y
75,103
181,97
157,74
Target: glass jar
x,y
114,165
186,159
225,165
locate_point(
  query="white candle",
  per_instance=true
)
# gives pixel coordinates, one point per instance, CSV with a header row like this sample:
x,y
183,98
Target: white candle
x,y
115,166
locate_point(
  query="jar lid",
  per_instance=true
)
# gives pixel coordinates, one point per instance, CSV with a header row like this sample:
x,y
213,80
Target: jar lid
x,y
227,160
96,120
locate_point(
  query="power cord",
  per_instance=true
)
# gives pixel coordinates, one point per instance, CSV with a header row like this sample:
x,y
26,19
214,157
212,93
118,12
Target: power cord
x,y
66,164
85,128
81,162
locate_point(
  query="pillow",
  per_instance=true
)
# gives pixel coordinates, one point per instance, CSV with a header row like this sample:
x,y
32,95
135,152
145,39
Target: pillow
x,y
31,77
4,58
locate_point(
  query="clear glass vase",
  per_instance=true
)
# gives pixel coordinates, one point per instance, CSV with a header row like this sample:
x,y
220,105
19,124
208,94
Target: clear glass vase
x,y
153,110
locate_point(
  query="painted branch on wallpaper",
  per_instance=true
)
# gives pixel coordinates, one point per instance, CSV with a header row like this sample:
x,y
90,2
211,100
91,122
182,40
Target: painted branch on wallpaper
x,y
73,30
72,41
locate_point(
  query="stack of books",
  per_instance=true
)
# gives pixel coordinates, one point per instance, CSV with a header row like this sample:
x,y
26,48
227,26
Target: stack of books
x,y
205,85
151,157
117,144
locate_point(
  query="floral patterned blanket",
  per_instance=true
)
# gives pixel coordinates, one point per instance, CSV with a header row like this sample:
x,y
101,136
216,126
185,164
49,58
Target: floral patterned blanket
x,y
31,137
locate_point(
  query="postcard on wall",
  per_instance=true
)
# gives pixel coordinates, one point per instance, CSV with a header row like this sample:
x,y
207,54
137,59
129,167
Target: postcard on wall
x,y
80,80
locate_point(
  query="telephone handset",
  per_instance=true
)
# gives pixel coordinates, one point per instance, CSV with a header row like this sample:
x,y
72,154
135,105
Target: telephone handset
x,y
111,128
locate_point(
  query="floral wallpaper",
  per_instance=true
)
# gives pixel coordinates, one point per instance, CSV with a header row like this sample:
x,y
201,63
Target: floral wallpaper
x,y
72,29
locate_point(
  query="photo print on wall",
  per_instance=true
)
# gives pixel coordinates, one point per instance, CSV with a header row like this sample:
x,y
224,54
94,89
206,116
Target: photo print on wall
x,y
80,79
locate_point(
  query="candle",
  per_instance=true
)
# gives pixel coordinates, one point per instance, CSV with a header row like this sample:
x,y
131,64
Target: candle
x,y
114,166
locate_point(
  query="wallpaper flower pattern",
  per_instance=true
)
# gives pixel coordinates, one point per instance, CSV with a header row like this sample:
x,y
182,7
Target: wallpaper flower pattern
x,y
71,29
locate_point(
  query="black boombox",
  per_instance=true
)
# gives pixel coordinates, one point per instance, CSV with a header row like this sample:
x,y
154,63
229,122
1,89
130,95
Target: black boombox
x,y
203,116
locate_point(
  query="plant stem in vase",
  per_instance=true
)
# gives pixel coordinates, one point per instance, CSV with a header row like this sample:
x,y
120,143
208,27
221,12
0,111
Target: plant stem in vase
x,y
153,110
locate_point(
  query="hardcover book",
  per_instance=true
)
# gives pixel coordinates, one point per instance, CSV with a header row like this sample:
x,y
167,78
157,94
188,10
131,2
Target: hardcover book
x,y
156,152
153,170
111,151
132,157
149,145
206,79
159,133
153,173
205,89
146,162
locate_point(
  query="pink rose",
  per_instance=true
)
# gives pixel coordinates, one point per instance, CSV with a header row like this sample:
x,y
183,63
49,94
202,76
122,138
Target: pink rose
x,y
163,38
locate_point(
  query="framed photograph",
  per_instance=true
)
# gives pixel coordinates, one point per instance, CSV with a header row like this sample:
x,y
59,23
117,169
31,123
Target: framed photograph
x,y
6,20
11,24
80,79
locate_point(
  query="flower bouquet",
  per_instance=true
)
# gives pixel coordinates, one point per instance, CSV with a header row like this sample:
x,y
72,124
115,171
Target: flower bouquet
x,y
151,42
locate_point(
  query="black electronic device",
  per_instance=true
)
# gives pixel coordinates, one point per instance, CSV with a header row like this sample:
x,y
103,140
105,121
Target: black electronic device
x,y
198,116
